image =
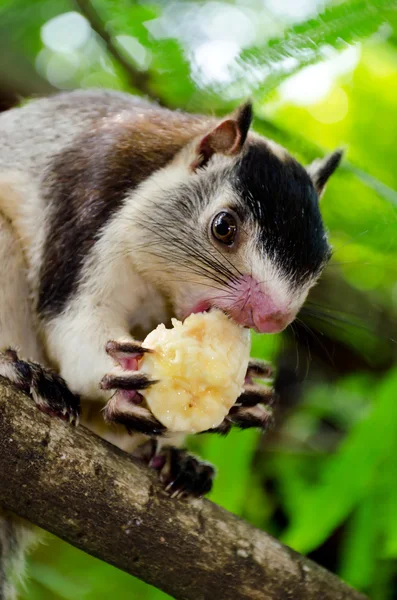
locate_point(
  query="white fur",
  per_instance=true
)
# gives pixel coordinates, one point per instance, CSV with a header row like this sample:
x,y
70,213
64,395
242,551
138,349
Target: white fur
x,y
109,307
7,371
24,537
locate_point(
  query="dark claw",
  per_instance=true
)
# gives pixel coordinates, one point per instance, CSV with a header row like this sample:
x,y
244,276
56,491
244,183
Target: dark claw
x,y
258,369
222,429
125,407
255,394
132,381
245,417
185,475
252,409
182,474
126,354
48,390
116,348
124,411
251,416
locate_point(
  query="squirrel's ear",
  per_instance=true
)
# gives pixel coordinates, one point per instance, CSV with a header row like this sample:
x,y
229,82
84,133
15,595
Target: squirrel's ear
x,y
227,138
321,169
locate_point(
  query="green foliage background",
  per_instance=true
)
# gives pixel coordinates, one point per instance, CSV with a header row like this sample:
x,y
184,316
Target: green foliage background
x,y
325,479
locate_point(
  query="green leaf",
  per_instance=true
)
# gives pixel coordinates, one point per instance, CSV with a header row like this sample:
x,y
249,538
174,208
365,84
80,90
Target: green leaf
x,y
59,571
349,474
388,504
360,549
303,44
232,455
59,585
265,347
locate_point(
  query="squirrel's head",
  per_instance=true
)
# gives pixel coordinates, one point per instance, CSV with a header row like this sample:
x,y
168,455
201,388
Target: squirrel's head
x,y
234,222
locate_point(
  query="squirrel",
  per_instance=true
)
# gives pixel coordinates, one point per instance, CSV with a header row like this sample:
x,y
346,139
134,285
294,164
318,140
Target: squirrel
x,y
116,215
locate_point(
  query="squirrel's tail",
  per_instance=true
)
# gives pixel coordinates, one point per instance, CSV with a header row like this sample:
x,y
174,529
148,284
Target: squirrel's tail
x,y
16,537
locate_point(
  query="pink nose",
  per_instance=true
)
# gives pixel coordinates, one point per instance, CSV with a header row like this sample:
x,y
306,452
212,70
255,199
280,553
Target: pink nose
x,y
271,323
252,307
263,323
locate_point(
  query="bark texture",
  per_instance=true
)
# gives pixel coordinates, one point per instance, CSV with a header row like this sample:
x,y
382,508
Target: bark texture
x,y
94,496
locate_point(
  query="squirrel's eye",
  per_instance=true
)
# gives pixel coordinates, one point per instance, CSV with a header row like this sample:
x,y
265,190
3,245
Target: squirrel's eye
x,y
224,228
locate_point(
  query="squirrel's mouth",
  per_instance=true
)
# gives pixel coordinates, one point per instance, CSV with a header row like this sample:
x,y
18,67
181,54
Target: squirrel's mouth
x,y
206,306
247,321
254,311
203,306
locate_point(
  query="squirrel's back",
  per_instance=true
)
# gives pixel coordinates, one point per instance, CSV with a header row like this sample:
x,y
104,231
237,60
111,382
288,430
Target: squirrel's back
x,y
32,134
78,153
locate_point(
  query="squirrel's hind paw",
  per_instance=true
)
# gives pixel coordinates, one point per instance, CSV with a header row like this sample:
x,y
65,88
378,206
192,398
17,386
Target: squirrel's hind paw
x,y
182,474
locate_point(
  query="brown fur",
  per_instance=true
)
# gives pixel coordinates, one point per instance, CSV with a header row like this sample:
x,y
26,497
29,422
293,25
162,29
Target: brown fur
x,y
88,182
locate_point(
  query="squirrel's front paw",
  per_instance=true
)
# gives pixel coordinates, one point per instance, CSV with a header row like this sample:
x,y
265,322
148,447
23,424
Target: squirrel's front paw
x,y
254,407
48,390
125,406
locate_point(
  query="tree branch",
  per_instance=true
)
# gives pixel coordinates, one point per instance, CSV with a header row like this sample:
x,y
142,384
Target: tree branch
x,y
139,80
99,499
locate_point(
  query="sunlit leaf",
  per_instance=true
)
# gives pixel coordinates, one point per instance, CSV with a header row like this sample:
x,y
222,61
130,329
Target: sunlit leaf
x,y
305,43
348,474
360,548
232,456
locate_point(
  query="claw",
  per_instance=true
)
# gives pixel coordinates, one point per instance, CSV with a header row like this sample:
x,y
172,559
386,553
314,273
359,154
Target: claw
x,y
251,416
124,406
126,354
245,417
185,475
258,369
121,410
169,486
255,394
132,381
222,429
182,474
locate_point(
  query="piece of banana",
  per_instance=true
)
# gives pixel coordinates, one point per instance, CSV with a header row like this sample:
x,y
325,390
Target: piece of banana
x,y
200,367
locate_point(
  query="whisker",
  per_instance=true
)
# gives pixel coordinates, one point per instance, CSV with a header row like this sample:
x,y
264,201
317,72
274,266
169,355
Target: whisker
x,y
193,252
296,348
317,339
212,261
340,322
229,261
352,239
327,316
193,267
352,262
